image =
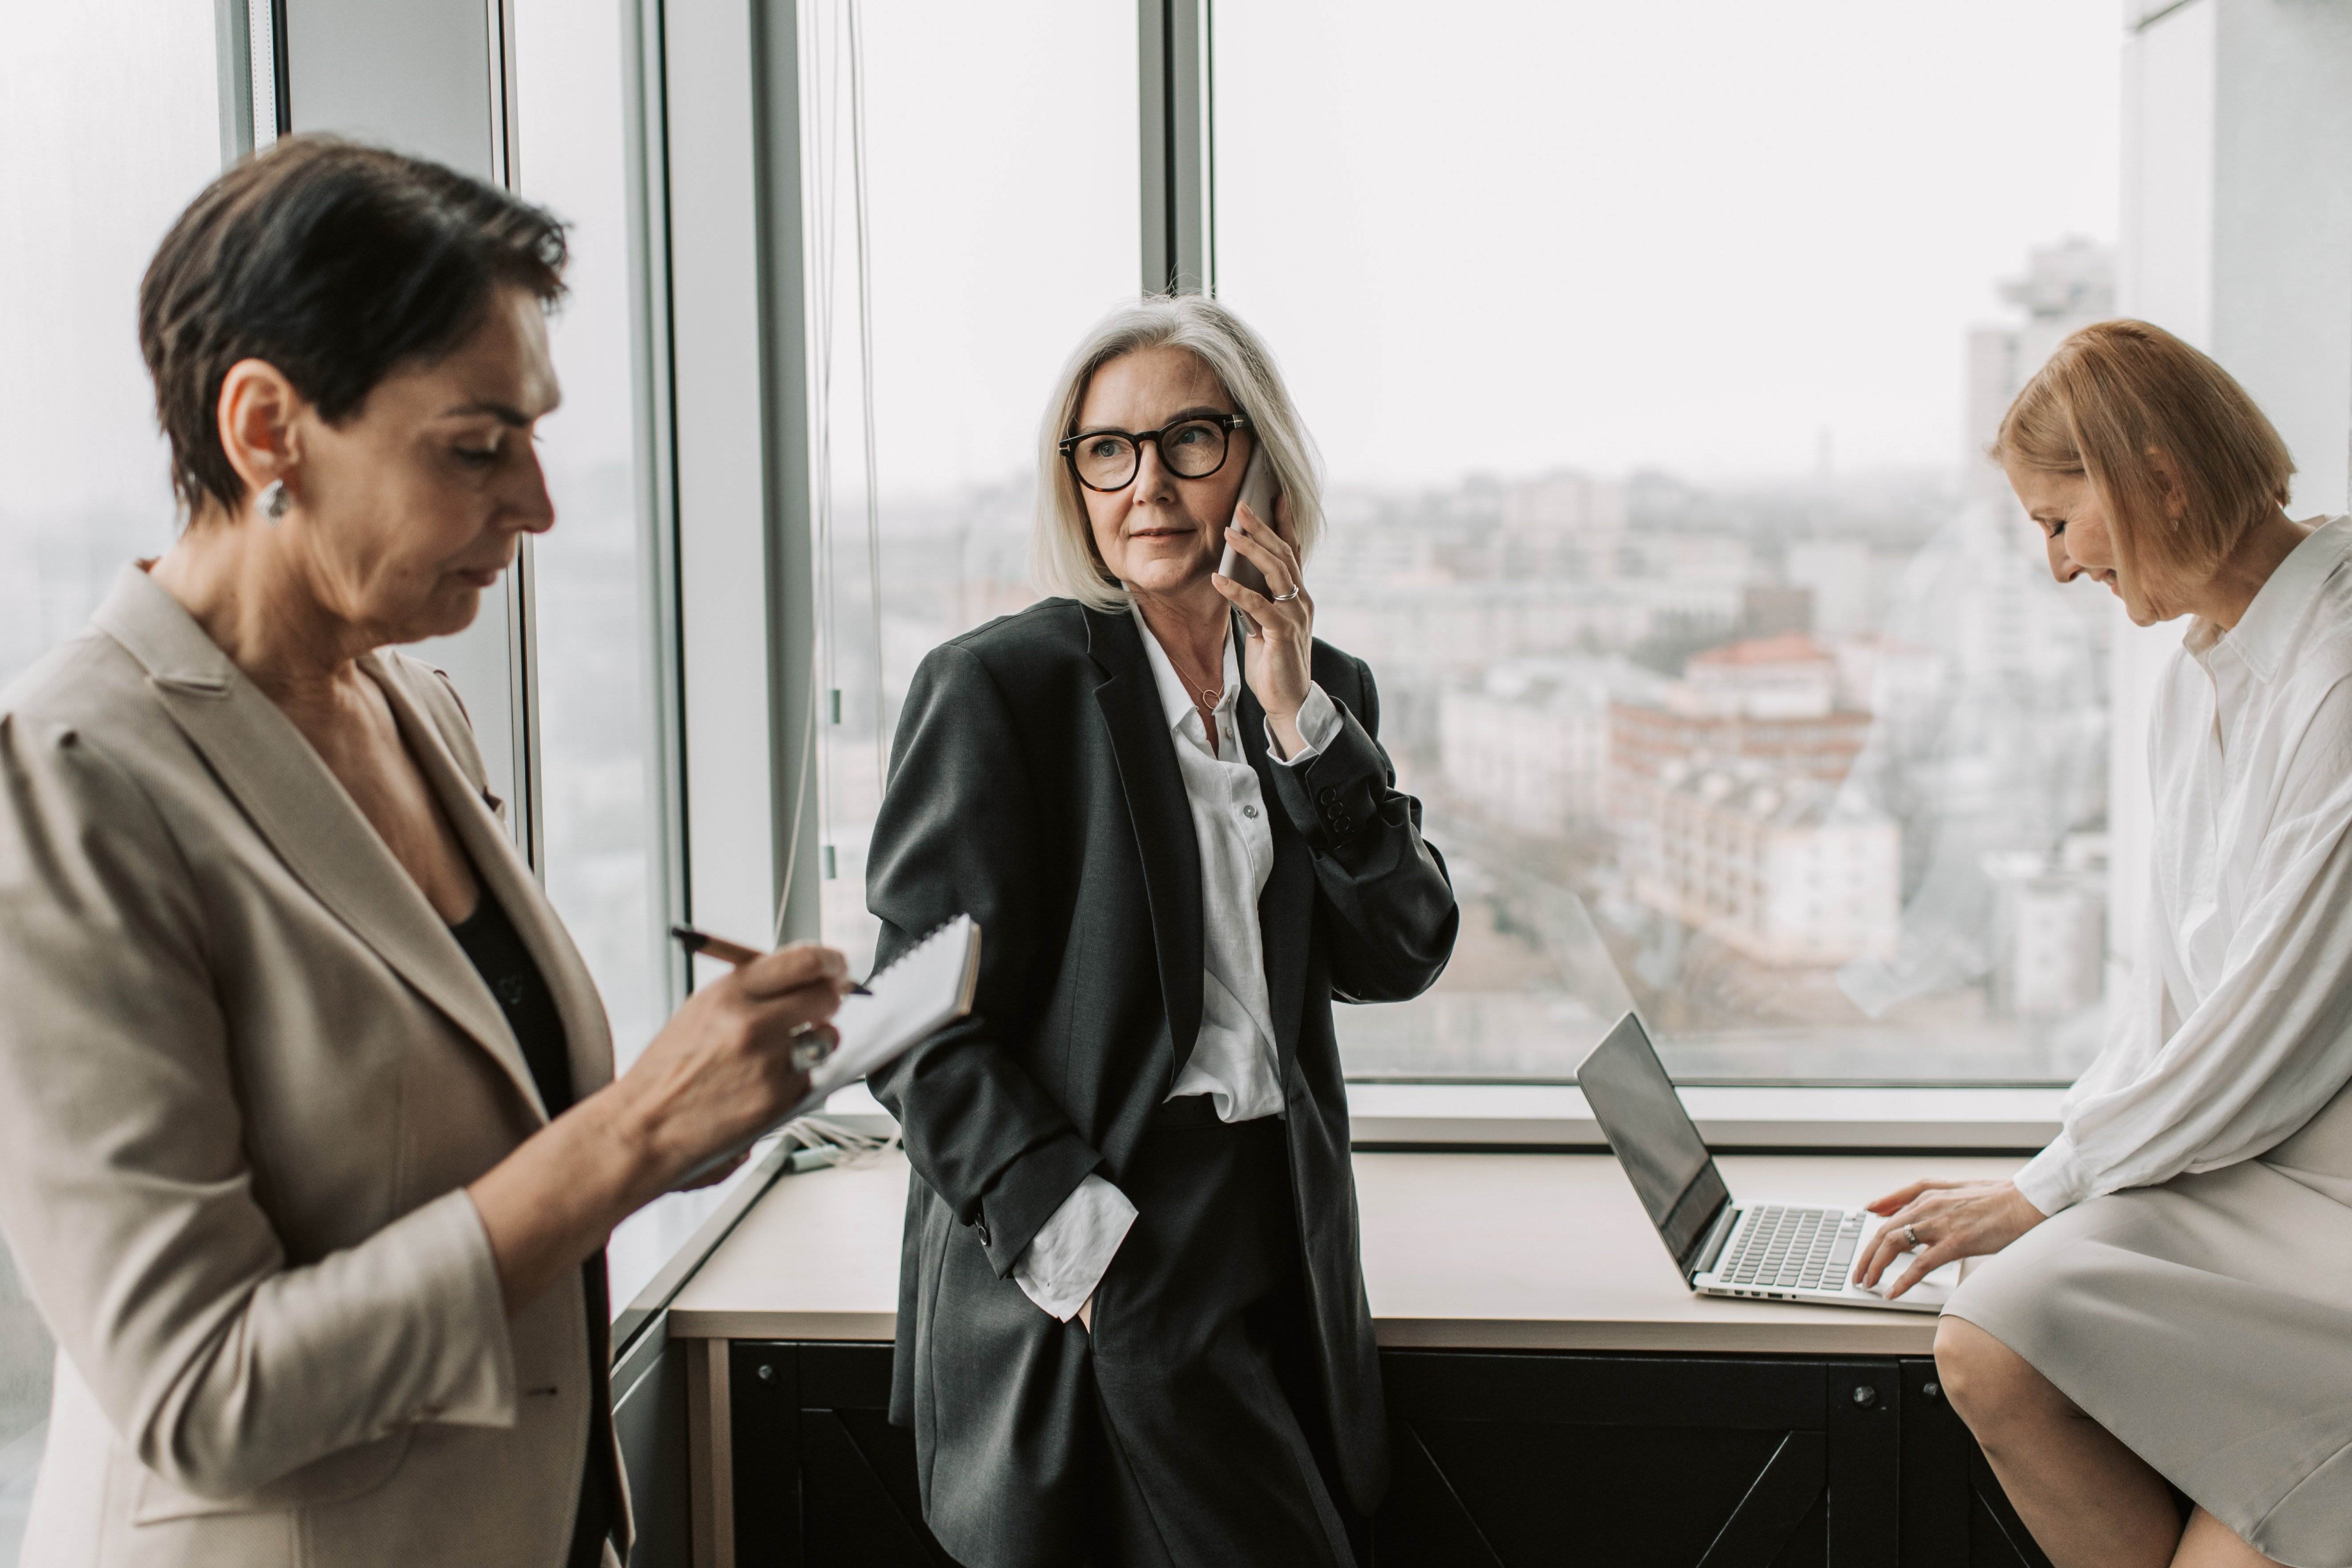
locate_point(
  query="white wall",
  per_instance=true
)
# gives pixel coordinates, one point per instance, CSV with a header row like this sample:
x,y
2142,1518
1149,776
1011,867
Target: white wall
x,y
2281,309
2237,235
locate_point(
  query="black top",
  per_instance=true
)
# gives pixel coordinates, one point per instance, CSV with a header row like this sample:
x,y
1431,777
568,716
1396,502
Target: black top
x,y
507,967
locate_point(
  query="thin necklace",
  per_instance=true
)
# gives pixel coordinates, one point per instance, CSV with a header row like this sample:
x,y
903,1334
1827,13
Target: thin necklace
x,y
1210,696
1207,698
1204,696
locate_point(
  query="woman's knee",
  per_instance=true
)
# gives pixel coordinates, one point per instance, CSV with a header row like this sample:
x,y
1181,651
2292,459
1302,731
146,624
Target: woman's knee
x,y
1989,1383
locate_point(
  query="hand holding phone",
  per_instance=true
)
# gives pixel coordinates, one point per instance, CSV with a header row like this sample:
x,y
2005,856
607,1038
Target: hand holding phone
x,y
1259,492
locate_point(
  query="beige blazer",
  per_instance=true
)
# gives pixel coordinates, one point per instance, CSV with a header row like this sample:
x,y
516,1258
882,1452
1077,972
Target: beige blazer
x,y
246,1073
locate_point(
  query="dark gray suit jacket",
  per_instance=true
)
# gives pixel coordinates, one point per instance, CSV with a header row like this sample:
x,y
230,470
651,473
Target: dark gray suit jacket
x,y
1034,784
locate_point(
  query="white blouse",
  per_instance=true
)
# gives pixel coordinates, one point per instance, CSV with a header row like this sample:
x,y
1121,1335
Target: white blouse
x,y
1233,1059
2236,1027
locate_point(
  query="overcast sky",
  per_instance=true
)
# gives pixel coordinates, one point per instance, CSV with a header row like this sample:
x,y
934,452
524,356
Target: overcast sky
x,y
1483,236
1692,233
1500,236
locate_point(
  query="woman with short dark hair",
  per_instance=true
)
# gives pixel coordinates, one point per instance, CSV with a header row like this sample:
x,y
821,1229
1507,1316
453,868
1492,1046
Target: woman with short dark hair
x,y
309,1141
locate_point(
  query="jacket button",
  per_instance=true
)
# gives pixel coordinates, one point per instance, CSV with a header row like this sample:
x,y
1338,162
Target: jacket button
x,y
980,1229
1326,794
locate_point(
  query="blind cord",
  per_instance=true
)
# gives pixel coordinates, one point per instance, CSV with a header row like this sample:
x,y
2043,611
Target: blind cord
x,y
865,373
827,57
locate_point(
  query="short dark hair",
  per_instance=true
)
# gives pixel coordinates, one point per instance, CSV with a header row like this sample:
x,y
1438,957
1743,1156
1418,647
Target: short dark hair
x,y
336,262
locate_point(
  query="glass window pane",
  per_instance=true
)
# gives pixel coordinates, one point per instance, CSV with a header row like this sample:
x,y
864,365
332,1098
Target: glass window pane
x,y
1002,219
599,740
115,99
1651,350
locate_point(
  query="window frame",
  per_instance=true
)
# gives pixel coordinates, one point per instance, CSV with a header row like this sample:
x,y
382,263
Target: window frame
x,y
722,438
722,441
1176,155
724,498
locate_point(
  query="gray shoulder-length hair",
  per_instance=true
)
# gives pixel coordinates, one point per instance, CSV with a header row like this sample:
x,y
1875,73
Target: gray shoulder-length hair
x,y
1061,546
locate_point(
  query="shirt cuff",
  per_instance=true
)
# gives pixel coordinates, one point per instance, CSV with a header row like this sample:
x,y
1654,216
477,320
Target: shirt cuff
x,y
2054,1179
1318,726
1072,1250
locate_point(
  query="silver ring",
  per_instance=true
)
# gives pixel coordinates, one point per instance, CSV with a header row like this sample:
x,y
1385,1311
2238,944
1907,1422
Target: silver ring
x,y
1286,598
1911,1234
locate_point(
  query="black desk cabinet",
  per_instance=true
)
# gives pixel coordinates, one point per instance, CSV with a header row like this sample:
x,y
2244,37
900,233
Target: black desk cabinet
x,y
1503,1460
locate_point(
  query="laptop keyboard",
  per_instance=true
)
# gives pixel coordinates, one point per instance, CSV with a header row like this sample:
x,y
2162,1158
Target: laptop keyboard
x,y
1786,1248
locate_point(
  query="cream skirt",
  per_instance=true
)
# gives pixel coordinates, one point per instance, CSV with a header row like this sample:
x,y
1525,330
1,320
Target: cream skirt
x,y
2207,1323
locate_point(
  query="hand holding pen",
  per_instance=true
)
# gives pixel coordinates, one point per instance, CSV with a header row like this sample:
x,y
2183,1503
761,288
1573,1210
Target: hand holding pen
x,y
807,1052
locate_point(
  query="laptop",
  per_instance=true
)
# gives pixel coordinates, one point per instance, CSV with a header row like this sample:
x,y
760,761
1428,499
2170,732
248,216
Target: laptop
x,y
1773,1252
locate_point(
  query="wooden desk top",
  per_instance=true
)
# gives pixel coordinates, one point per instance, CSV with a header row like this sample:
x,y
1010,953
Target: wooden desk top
x,y
1461,1251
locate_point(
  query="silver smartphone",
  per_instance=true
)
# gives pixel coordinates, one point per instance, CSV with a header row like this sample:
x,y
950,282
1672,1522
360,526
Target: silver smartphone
x,y
1259,494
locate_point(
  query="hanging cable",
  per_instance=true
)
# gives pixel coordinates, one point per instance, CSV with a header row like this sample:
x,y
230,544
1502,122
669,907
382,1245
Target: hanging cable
x,y
819,225
819,1141
866,373
833,45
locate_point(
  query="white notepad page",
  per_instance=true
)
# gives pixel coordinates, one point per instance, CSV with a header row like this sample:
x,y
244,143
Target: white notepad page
x,y
930,987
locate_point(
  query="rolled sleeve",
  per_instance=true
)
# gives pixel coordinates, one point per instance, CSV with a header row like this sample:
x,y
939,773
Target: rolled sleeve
x,y
470,1375
1071,1252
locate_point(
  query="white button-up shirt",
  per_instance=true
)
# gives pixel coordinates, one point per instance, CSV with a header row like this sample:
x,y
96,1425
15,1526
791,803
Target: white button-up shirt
x,y
1233,1059
2236,1027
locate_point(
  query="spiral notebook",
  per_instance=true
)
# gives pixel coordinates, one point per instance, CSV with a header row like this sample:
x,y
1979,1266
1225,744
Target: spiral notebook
x,y
929,987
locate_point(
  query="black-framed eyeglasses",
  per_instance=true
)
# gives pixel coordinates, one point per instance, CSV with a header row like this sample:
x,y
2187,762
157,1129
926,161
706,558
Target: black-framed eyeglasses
x,y
1191,448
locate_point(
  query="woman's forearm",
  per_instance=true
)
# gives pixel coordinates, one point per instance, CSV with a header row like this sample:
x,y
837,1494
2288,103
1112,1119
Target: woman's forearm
x,y
553,1202
719,1073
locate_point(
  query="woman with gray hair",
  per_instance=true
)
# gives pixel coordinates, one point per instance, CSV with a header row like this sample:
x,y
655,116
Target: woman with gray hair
x,y
1132,1326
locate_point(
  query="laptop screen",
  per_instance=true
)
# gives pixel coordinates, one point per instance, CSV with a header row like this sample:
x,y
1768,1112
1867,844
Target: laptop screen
x,y
1653,1137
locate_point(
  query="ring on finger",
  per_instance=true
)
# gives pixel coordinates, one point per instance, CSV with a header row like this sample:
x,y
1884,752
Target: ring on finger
x,y
1284,598
811,1044
1911,1234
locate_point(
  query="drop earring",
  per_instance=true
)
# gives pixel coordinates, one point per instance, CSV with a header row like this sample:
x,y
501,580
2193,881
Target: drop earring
x,y
274,501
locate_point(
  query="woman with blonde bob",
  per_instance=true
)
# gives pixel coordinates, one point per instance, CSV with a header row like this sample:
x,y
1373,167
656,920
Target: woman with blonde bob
x,y
2170,1315
1132,1326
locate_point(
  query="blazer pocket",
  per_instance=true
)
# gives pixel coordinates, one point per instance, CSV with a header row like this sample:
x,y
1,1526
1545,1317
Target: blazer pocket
x,y
338,1477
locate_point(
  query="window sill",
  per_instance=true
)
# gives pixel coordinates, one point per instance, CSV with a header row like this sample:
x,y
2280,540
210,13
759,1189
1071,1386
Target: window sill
x,y
1554,1115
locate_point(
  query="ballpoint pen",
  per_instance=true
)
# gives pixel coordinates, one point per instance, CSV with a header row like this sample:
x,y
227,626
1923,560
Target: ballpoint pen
x,y
733,953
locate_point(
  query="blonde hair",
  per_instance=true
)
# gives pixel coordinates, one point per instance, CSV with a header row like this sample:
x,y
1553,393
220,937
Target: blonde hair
x,y
1062,543
2117,393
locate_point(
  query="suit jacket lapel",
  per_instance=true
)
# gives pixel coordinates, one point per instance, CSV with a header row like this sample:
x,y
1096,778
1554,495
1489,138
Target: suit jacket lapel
x,y
1147,774
286,792
1285,911
587,1033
